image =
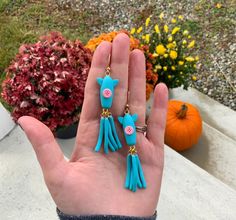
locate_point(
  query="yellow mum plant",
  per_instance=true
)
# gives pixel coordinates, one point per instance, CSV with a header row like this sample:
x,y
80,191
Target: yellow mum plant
x,y
170,51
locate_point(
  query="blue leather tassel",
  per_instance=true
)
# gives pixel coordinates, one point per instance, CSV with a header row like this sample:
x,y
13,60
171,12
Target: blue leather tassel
x,y
100,137
114,132
143,183
112,141
134,174
128,171
107,132
106,136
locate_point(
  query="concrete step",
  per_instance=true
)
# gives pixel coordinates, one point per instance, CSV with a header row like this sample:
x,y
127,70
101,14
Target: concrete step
x,y
6,122
190,193
23,194
215,153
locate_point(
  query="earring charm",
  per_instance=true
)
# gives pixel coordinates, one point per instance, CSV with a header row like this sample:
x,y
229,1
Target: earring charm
x,y
107,131
134,174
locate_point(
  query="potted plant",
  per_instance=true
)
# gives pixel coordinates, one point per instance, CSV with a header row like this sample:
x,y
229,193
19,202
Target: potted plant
x,y
46,80
169,52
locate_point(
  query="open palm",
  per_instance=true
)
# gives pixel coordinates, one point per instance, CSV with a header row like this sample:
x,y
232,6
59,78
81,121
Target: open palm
x,y
91,182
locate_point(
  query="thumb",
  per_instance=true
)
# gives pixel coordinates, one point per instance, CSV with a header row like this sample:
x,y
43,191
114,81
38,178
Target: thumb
x,y
45,146
157,119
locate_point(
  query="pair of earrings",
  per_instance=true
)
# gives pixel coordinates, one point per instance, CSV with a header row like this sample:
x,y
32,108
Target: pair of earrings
x,y
107,132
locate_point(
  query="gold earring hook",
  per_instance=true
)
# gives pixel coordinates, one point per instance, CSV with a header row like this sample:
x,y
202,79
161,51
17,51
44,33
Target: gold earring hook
x,y
127,105
108,71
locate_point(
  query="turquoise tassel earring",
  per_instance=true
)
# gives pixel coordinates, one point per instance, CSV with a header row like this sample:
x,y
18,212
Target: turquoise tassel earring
x,y
107,131
134,174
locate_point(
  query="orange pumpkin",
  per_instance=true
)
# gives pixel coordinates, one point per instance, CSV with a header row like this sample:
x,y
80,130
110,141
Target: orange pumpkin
x,y
184,125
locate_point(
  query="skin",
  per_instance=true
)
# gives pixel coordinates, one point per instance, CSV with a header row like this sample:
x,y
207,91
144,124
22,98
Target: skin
x,y
93,183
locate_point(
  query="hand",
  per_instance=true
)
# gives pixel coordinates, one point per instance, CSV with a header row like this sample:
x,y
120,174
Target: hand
x,y
92,182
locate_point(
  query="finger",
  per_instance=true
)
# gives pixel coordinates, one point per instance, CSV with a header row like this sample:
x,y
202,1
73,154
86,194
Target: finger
x,y
47,150
157,119
91,106
137,85
119,70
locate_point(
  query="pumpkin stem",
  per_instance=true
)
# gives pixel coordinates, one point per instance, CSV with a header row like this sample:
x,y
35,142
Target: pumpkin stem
x,y
182,112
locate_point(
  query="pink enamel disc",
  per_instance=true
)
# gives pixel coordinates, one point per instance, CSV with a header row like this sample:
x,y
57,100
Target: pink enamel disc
x,y
107,93
129,130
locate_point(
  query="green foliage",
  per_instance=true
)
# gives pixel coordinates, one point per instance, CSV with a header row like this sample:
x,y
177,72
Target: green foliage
x,y
193,26
12,35
23,21
8,5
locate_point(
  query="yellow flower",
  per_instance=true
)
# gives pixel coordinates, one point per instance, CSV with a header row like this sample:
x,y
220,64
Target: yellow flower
x,y
181,63
170,46
166,29
160,49
185,33
132,30
218,5
173,54
159,67
139,30
147,38
169,76
173,68
189,36
175,30
148,21
161,16
166,55
189,59
157,29
143,37
191,44
180,17
196,58
165,68
195,66
173,20
174,43
194,78
170,39
155,55
184,42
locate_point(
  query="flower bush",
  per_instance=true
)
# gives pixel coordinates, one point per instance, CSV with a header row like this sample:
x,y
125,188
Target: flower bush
x,y
169,51
151,77
94,42
46,80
